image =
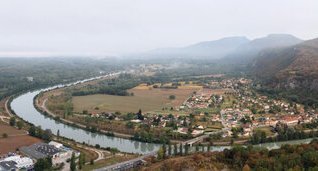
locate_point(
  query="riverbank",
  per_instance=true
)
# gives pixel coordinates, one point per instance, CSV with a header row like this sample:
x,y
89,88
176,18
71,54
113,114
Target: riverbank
x,y
40,105
23,106
43,109
43,103
18,138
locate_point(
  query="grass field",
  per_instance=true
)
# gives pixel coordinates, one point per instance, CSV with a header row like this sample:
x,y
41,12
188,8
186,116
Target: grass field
x,y
146,98
266,129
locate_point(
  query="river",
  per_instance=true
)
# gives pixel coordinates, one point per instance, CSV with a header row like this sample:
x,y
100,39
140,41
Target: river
x,y
23,106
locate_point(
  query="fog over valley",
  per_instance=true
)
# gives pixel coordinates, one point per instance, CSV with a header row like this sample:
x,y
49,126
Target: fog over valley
x,y
151,85
121,27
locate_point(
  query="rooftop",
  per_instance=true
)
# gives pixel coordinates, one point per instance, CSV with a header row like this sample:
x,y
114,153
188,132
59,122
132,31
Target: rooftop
x,y
7,165
40,150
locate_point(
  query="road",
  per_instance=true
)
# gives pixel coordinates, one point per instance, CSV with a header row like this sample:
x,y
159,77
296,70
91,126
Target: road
x,y
100,153
6,108
127,164
200,138
2,118
138,161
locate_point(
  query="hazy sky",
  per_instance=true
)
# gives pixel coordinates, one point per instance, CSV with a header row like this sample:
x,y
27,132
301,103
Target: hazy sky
x,y
122,26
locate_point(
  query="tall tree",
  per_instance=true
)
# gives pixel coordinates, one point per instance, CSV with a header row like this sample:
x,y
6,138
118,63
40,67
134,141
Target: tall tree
x,y
43,164
197,148
175,149
32,131
209,148
181,149
20,124
73,164
164,148
47,135
81,160
58,134
186,149
169,149
160,153
12,121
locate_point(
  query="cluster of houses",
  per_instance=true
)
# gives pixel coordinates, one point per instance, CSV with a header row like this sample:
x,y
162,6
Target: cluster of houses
x,y
232,118
180,124
230,83
265,105
28,155
235,118
201,99
251,110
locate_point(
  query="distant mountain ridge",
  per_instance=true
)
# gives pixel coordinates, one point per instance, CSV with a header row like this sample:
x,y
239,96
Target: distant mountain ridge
x,y
234,49
208,49
293,61
247,52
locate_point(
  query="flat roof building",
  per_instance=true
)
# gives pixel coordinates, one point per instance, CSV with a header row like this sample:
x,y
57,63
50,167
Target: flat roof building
x,y
40,150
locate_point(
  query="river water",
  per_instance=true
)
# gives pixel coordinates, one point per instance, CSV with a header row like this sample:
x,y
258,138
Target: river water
x,y
24,108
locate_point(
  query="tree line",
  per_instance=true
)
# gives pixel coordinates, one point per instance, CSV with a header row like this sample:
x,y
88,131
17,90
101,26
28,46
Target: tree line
x,y
284,133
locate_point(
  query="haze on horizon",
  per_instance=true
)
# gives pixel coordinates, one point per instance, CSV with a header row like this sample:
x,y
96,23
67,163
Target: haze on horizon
x,y
114,27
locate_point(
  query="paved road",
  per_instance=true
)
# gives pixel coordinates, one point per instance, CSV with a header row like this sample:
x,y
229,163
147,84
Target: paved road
x,y
127,164
99,152
200,138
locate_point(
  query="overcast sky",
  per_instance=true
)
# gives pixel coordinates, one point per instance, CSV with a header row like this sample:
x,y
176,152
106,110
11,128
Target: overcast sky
x,y
114,27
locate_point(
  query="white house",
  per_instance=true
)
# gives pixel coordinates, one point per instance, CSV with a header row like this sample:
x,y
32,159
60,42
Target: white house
x,y
56,144
20,162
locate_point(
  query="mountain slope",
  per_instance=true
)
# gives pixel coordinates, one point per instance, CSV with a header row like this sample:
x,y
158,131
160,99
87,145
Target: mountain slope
x,y
209,49
292,68
247,52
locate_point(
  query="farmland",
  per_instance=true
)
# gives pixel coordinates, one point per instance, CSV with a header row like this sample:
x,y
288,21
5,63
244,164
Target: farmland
x,y
12,138
16,139
145,98
9,130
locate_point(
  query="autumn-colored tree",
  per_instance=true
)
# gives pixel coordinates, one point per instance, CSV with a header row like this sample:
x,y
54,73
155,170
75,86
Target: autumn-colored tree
x,y
246,168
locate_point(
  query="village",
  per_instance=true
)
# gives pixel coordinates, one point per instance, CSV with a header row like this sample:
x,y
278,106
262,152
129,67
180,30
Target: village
x,y
236,111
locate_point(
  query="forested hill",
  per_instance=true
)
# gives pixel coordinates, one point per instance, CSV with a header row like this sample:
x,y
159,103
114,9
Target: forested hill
x,y
293,69
19,74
